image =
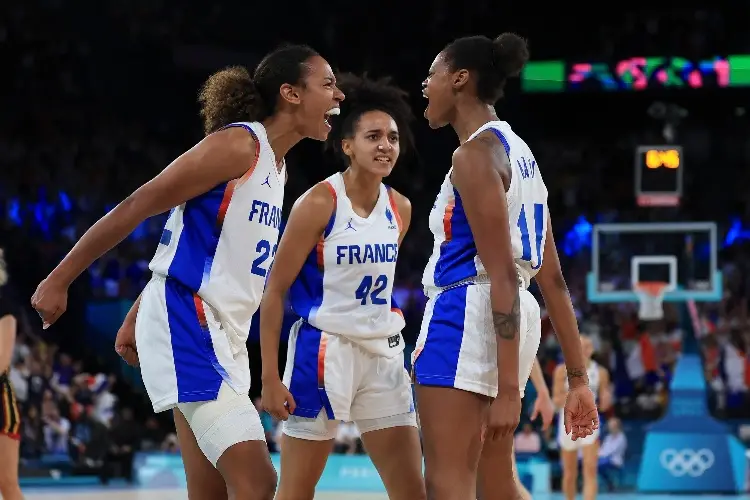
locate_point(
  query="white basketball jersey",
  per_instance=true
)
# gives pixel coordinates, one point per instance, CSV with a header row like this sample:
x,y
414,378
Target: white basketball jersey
x,y
346,285
454,256
222,243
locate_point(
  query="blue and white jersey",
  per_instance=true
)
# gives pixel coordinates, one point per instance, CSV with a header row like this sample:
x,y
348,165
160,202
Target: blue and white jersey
x,y
345,286
454,256
221,244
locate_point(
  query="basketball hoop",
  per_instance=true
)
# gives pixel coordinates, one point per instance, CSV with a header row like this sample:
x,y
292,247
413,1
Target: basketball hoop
x,y
650,299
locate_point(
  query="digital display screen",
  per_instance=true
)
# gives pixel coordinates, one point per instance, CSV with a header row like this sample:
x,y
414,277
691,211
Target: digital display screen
x,y
659,169
637,74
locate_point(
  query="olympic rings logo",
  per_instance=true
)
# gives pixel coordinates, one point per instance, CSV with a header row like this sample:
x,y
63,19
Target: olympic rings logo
x,y
687,462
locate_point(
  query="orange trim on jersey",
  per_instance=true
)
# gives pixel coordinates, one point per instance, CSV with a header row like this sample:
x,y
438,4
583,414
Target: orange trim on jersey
x,y
322,360
320,247
235,183
447,219
246,176
200,311
417,352
332,191
319,252
394,207
397,311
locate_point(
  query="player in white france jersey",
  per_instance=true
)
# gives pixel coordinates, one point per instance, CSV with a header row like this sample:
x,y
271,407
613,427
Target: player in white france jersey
x,y
337,259
492,232
588,447
189,326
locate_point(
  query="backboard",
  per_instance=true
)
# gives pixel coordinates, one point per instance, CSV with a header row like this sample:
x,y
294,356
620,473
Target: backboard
x,y
683,255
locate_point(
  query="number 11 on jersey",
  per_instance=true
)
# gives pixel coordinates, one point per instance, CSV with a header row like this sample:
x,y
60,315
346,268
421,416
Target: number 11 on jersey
x,y
538,236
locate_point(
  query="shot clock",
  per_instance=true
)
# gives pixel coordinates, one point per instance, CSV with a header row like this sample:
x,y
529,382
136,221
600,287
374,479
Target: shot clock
x,y
658,175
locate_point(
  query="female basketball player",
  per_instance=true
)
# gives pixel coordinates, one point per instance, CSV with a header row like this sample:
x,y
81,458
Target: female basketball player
x,y
338,255
588,446
490,224
209,270
10,421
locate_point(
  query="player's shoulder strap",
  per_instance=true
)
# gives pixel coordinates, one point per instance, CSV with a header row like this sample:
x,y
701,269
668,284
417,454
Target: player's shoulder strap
x,y
329,184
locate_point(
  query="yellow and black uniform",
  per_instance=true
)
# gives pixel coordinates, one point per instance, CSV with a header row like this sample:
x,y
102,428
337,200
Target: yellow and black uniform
x,y
10,417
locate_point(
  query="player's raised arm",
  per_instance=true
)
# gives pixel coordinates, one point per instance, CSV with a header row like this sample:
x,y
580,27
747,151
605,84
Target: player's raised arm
x,y
476,176
218,158
306,224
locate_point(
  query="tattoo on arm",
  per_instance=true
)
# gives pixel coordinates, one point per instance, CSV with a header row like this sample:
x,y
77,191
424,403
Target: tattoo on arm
x,y
507,324
576,373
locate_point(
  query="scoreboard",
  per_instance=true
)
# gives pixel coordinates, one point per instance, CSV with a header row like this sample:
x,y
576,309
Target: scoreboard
x,y
658,175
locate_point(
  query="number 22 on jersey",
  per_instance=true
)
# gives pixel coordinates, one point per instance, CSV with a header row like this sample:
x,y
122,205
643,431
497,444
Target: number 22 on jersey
x,y
264,251
539,228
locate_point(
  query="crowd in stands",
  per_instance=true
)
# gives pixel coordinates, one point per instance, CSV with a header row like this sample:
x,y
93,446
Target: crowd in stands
x,y
72,417
76,137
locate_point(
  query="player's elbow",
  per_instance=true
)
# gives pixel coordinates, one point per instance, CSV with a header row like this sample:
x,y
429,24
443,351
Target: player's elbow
x,y
504,277
139,206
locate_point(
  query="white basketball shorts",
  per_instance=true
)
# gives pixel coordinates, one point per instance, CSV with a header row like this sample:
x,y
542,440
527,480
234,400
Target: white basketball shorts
x,y
329,372
184,350
457,344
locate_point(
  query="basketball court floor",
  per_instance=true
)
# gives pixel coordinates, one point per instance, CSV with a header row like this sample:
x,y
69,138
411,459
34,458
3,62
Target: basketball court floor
x,y
168,494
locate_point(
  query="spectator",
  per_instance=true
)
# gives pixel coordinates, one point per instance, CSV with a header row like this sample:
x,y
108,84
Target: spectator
x,y
152,435
90,444
37,384
32,434
612,451
125,435
56,432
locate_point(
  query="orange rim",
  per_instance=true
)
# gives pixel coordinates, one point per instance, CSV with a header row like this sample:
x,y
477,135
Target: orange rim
x,y
653,288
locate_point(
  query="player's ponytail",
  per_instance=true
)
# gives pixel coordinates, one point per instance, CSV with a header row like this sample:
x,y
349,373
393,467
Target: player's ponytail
x,y
228,96
509,53
491,62
232,95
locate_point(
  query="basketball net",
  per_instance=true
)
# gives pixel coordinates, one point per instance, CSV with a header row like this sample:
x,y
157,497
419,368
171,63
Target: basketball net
x,y
650,299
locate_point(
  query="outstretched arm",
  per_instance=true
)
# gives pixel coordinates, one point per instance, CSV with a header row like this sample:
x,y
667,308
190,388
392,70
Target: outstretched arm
x,y
218,158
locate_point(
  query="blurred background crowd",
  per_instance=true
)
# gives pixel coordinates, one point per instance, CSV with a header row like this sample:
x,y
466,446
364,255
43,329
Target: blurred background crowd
x,y
97,100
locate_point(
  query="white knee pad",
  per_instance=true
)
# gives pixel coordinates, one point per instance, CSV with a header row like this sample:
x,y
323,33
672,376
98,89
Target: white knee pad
x,y
230,419
377,424
319,428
